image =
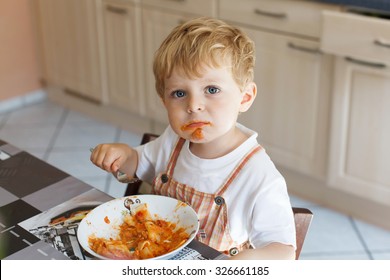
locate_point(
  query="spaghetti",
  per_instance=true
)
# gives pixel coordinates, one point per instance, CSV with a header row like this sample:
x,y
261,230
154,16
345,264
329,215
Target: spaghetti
x,y
140,237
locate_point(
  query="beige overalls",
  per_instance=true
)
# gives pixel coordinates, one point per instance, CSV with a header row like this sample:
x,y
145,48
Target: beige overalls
x,y
211,208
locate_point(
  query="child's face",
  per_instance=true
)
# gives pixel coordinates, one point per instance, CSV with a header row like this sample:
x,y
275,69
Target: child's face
x,y
205,108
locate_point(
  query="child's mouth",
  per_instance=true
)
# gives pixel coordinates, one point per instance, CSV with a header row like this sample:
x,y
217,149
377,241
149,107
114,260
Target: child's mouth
x,y
196,126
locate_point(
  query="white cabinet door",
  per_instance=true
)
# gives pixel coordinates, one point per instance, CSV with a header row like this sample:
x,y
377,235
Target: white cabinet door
x,y
71,46
123,57
291,109
156,27
360,150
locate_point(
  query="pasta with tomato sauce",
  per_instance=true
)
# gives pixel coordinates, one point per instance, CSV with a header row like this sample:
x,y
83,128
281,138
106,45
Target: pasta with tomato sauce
x,y
140,237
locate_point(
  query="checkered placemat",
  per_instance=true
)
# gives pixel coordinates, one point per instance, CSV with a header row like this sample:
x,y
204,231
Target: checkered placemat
x,y
32,195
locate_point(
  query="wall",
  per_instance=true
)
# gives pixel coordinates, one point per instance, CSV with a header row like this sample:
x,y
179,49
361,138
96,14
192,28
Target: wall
x,y
19,71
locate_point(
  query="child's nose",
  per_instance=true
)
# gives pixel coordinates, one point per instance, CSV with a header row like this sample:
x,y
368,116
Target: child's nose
x,y
195,105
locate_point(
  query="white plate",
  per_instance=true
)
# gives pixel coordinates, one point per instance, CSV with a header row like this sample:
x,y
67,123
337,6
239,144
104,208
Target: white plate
x,y
167,208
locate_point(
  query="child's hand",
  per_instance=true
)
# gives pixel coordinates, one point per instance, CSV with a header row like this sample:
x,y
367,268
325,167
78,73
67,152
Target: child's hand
x,y
112,157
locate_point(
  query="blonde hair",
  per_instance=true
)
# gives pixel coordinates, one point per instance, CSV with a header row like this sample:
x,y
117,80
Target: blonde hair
x,y
204,42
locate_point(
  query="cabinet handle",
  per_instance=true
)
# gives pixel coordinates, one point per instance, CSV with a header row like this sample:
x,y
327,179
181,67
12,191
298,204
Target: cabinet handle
x,y
304,49
270,14
382,43
365,63
116,10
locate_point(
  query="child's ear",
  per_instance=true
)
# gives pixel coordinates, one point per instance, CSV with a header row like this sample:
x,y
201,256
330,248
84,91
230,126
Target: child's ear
x,y
249,95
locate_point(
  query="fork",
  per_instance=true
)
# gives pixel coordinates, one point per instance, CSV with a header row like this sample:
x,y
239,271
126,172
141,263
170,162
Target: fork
x,y
121,176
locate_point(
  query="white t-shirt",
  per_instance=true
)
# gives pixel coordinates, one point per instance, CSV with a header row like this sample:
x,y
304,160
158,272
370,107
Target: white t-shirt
x,y
258,204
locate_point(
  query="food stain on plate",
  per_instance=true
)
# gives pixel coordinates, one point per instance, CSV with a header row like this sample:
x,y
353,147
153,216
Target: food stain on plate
x,y
179,204
106,220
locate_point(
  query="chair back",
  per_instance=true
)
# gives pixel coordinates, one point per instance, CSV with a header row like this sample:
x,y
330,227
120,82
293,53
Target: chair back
x,y
302,217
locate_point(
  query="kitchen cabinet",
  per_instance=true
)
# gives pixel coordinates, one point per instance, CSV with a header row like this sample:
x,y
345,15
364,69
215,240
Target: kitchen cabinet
x,y
71,46
298,18
359,153
291,110
292,107
122,38
158,20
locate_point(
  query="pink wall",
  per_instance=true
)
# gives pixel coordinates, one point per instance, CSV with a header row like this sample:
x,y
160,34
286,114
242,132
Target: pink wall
x,y
19,72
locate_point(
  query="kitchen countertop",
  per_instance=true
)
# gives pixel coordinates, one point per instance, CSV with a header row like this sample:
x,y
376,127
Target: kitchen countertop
x,y
374,5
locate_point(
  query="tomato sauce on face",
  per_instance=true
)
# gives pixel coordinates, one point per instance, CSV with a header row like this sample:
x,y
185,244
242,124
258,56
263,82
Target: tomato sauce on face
x,y
196,127
198,134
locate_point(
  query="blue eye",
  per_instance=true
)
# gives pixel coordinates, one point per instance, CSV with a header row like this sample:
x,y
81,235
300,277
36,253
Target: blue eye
x,y
212,90
178,94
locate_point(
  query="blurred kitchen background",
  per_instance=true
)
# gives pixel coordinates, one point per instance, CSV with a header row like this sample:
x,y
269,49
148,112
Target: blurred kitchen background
x,y
75,73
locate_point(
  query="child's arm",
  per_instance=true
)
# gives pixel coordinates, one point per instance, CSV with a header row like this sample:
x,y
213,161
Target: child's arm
x,y
114,157
273,251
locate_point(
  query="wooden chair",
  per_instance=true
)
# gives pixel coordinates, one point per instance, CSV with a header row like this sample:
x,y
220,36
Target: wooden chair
x,y
302,216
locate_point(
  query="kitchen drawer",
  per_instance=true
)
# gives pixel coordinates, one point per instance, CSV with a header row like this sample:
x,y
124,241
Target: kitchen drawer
x,y
363,38
198,7
298,17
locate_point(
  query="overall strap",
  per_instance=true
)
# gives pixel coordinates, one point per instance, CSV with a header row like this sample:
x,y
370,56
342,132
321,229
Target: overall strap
x,y
238,168
174,156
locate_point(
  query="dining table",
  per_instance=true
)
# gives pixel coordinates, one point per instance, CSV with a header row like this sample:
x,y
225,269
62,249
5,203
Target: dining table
x,y
41,207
